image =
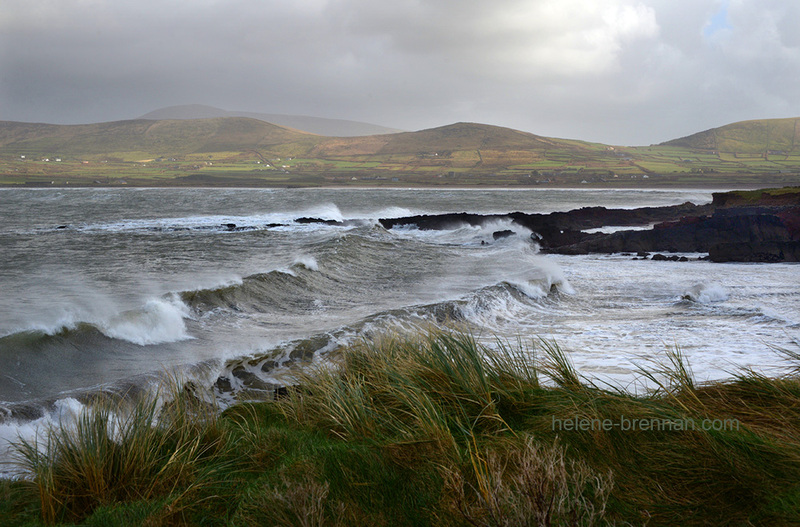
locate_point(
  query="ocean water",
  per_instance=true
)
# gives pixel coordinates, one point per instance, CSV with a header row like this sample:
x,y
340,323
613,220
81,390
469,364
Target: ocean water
x,y
110,288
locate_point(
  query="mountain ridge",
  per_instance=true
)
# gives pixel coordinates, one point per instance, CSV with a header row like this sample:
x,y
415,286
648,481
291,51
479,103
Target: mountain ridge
x,y
246,151
314,125
172,136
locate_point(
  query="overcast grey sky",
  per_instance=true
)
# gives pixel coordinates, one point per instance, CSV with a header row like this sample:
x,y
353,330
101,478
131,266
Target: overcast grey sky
x,y
615,71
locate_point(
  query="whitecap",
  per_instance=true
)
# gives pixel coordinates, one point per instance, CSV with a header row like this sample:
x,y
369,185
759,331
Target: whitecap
x,y
309,262
157,322
706,293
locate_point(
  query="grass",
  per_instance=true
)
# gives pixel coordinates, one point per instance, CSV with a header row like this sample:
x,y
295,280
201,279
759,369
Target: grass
x,y
430,429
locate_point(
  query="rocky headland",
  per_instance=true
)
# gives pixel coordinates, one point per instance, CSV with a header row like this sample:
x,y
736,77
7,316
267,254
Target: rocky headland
x,y
738,226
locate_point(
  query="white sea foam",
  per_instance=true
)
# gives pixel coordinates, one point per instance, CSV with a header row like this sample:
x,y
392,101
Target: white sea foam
x,y
63,316
309,262
157,322
465,234
64,412
66,322
610,229
328,211
706,293
324,211
387,212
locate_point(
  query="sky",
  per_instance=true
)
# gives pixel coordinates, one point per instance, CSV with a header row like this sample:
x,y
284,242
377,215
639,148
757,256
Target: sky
x,y
625,72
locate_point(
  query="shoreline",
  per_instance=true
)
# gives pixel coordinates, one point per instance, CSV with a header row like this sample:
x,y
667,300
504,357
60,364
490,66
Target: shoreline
x,y
710,188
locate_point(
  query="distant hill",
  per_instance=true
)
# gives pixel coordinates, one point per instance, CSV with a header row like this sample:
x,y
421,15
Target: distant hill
x,y
152,137
314,125
218,134
252,152
468,136
450,138
748,137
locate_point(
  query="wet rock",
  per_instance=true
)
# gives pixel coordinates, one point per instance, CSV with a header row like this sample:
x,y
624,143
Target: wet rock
x,y
305,349
739,227
765,252
250,380
738,232
499,235
26,411
223,385
446,313
439,222
305,220
269,365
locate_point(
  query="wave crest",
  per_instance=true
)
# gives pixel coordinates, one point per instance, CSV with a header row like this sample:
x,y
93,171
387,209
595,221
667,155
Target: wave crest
x,y
158,322
706,293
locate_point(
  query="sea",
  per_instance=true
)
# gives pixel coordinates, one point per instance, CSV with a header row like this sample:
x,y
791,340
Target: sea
x,y
113,289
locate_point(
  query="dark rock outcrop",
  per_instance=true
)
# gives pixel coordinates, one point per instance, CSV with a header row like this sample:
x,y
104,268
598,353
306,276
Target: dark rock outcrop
x,y
305,220
755,252
499,235
556,229
441,222
752,226
734,234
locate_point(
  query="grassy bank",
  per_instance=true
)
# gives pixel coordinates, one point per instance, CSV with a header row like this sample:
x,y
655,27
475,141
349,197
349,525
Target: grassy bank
x,y
432,430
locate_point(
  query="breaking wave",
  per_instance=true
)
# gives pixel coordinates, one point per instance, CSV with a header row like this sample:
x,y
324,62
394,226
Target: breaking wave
x,y
706,293
159,321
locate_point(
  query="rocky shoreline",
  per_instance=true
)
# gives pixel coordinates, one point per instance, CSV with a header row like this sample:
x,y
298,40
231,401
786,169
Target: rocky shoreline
x,y
738,226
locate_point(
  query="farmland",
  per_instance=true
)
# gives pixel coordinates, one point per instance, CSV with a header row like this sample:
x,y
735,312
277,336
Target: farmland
x,y
249,152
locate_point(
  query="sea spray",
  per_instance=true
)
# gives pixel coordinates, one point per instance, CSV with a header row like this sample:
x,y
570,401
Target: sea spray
x,y
706,293
62,413
309,262
157,322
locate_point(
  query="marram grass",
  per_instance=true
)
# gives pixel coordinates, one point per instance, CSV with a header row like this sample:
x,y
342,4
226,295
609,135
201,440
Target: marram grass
x,y
430,429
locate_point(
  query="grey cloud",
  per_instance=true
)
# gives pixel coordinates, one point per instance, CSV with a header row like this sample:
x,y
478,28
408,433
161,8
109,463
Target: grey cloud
x,y
618,71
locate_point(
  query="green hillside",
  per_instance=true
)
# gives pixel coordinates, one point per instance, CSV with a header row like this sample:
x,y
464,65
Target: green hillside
x,y
463,136
167,137
747,137
249,152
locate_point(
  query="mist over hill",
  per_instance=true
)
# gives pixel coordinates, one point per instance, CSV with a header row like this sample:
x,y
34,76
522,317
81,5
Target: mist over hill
x,y
314,125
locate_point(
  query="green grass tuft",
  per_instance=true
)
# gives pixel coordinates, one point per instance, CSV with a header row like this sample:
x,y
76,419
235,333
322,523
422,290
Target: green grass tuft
x,y
430,429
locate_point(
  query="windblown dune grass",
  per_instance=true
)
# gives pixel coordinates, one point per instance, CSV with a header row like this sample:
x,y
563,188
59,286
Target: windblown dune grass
x,y
431,429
